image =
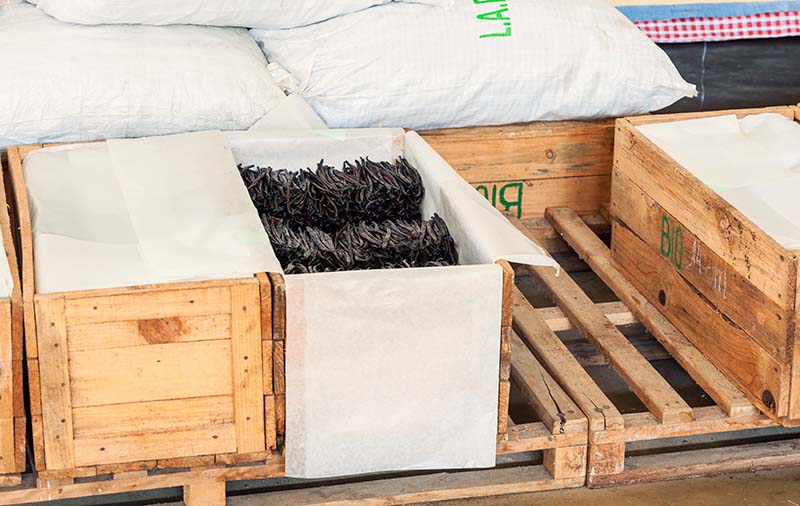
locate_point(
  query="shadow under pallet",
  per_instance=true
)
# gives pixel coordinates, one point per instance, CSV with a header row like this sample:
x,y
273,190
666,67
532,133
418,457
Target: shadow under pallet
x,y
660,410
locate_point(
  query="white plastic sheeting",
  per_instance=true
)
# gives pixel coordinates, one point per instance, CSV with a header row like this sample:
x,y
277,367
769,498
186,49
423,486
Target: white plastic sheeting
x,y
64,82
483,63
753,163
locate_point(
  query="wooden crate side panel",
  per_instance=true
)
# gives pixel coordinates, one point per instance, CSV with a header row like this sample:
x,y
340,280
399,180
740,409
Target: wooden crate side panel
x,y
539,150
180,374
530,198
731,293
750,251
761,376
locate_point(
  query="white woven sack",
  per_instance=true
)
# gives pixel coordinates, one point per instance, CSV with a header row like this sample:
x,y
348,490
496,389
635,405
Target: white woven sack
x,y
270,14
64,82
477,63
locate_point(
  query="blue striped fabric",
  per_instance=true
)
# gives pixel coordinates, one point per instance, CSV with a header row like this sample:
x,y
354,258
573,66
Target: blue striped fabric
x,y
705,10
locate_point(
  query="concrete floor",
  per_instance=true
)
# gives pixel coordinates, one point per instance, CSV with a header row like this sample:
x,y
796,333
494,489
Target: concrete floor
x,y
775,488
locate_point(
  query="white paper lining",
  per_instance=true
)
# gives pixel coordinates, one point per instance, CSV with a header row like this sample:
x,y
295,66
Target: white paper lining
x,y
753,163
392,370
6,281
155,210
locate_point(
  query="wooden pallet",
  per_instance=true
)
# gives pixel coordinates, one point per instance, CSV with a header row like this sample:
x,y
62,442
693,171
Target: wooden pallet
x,y
560,434
12,401
667,415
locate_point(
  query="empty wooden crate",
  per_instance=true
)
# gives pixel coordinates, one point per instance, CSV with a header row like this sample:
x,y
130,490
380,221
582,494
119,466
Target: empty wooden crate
x,y
730,287
168,375
12,402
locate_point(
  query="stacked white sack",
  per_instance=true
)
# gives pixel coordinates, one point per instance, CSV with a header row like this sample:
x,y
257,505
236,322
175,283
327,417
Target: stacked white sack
x,y
474,64
269,14
66,82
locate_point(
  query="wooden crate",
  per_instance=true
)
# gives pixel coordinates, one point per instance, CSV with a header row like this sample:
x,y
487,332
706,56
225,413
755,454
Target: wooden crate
x,y
524,169
558,436
721,280
12,402
131,379
612,431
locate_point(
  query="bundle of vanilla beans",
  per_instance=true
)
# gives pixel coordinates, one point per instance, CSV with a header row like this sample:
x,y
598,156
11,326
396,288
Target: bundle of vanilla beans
x,y
364,216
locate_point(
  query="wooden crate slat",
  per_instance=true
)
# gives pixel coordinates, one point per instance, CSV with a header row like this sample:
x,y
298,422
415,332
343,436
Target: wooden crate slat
x,y
752,312
142,417
26,248
549,401
248,388
278,306
278,367
740,113
149,306
533,150
267,350
270,423
560,363
130,333
150,373
644,380
720,226
55,375
7,387
508,290
12,397
7,446
216,438
598,256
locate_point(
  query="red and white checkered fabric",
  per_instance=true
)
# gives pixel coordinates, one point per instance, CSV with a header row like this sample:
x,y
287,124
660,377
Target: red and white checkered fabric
x,y
757,26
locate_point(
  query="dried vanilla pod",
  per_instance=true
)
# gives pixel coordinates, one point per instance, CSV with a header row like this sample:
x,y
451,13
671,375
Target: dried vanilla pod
x,y
329,198
388,245
365,216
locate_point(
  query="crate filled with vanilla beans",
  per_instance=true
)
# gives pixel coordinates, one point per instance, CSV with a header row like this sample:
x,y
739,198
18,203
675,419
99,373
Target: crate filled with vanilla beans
x,y
391,301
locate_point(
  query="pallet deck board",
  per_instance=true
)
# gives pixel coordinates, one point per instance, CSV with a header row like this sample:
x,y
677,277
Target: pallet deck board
x,y
598,256
609,463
